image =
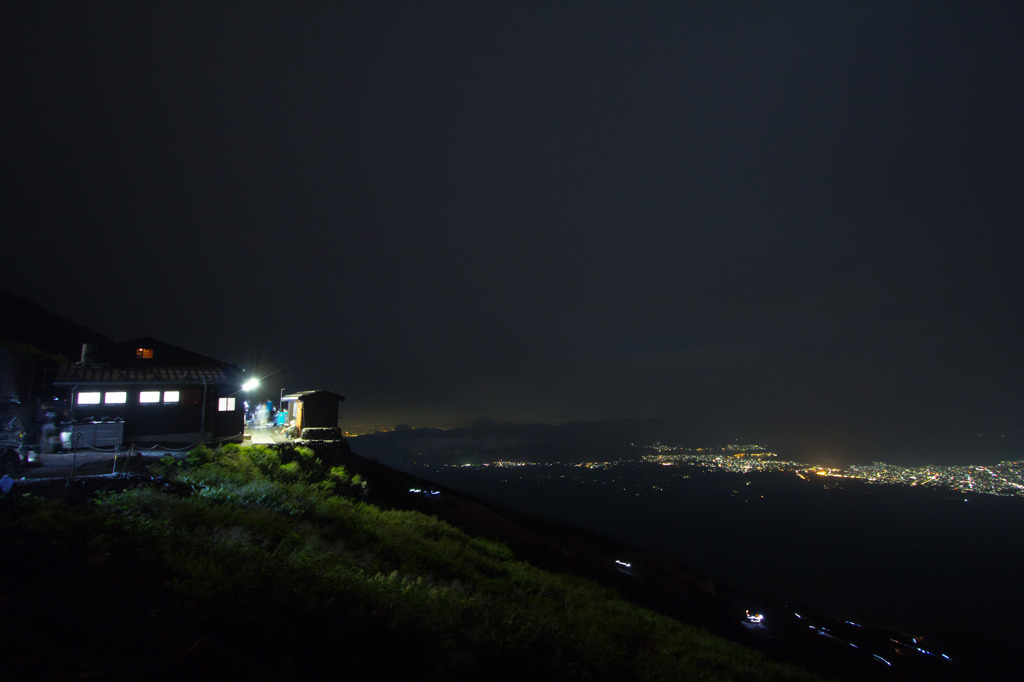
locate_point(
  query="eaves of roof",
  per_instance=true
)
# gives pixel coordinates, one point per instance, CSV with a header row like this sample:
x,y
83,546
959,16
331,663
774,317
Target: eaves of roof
x,y
77,374
299,395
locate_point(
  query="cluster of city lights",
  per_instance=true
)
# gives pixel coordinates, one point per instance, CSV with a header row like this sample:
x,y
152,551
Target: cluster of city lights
x,y
1005,478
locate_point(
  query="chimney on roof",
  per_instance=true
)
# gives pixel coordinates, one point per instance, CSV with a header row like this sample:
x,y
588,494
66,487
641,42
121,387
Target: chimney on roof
x,y
90,353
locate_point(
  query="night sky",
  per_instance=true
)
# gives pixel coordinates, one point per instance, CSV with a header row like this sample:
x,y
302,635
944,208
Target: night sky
x,y
787,218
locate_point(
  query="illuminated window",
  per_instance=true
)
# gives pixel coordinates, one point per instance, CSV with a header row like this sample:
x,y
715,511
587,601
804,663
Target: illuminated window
x,y
171,396
226,404
91,398
147,397
144,353
115,398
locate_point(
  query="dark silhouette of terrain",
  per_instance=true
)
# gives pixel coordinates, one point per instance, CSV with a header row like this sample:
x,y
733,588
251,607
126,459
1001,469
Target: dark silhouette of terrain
x,y
28,323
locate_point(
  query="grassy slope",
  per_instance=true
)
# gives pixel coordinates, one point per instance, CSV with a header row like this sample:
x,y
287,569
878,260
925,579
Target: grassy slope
x,y
265,565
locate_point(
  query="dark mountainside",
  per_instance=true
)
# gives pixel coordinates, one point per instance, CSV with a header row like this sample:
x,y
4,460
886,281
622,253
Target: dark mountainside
x,y
27,323
66,593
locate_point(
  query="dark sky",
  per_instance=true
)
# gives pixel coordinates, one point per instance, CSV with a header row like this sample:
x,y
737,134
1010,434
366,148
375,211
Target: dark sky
x,y
791,216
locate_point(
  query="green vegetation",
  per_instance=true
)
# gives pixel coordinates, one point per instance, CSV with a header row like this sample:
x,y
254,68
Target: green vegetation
x,y
277,559
33,354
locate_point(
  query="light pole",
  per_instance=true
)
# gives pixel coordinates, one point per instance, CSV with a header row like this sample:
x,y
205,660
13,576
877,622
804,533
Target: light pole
x,y
249,386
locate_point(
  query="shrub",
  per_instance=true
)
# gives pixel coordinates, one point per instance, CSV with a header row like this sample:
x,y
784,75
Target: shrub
x,y
200,455
340,474
290,472
263,457
310,466
166,466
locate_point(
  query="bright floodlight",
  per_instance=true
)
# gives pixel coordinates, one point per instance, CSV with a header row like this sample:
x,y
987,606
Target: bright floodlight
x,y
250,384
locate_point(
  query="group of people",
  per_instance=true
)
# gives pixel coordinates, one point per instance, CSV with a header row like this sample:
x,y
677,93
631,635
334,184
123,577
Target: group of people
x,y
34,428
264,415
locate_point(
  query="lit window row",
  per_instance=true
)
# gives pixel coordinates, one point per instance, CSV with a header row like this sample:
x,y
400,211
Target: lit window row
x,y
121,397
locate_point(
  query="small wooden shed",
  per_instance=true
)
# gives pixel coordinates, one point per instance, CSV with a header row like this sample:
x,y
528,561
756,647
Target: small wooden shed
x,y
314,409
